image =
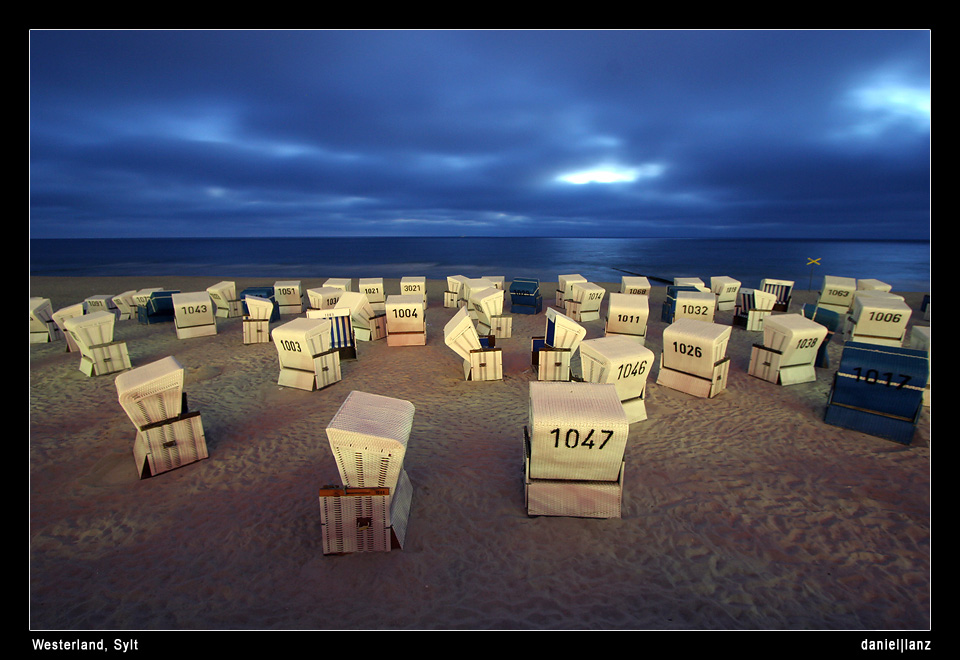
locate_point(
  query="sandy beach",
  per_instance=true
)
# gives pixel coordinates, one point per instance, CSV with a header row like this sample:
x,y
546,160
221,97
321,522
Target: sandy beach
x,y
743,512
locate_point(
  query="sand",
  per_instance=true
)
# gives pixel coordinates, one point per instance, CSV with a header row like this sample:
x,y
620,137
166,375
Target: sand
x,y
742,512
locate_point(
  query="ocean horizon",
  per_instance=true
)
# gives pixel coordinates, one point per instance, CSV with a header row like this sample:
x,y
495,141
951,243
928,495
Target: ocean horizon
x,y
904,264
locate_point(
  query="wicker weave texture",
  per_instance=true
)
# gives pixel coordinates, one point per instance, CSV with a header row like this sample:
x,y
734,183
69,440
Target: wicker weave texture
x,y
562,331
577,431
368,436
170,446
152,393
461,335
91,329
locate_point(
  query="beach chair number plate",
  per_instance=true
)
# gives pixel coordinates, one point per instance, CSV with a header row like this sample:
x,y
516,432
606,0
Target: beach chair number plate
x,y
571,439
872,377
630,369
405,312
700,310
687,349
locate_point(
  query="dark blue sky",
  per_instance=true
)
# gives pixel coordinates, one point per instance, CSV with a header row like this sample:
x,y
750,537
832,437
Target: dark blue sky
x,y
807,134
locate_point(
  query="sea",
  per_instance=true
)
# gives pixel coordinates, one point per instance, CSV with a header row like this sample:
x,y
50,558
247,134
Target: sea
x,y
905,265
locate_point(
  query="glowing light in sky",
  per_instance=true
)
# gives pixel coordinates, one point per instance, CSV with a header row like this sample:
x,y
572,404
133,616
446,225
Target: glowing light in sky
x,y
612,174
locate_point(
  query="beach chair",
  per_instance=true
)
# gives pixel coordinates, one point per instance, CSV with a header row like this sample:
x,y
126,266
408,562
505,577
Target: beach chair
x,y
669,308
256,319
878,390
126,305
698,305
488,306
289,296
753,306
782,289
324,297
342,337
99,353
636,285
372,288
829,319
873,285
695,282
368,436
726,290
622,362
574,446
414,286
194,315
583,301
563,287
451,296
878,320
406,320
479,363
364,519
836,293
342,283
498,280
224,296
467,288
627,315
43,328
788,354
694,357
157,307
551,353
60,317
261,293
168,435
102,303
525,296
307,361
141,298
368,325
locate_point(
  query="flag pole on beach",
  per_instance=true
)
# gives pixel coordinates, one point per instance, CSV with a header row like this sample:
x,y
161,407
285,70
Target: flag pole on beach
x,y
812,262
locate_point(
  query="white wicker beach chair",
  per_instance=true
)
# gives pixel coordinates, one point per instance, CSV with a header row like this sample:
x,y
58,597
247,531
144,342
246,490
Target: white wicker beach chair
x,y
256,323
752,307
488,306
153,393
878,319
93,334
782,289
43,328
342,283
563,287
583,299
788,353
342,337
368,437
726,290
307,360
168,436
372,287
873,285
627,316
126,305
479,363
414,286
194,314
623,363
698,305
836,293
406,320
467,287
60,317
578,431
368,325
224,296
142,296
694,357
324,297
635,285
289,296
451,296
102,303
